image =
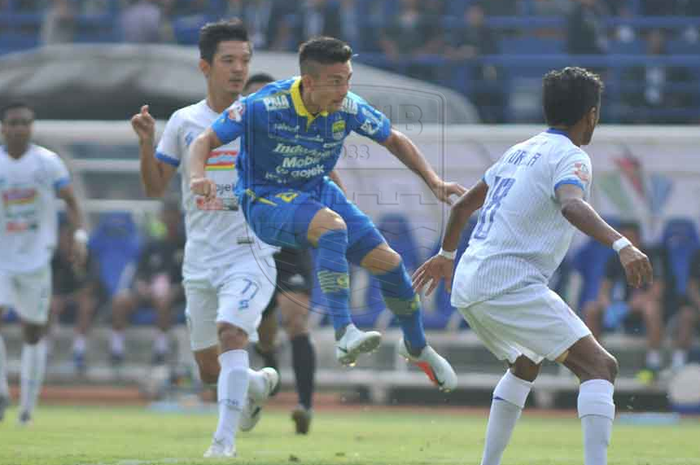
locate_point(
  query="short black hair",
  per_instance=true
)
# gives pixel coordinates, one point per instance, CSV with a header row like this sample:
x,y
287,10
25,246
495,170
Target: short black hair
x,y
258,78
13,106
569,94
211,34
324,51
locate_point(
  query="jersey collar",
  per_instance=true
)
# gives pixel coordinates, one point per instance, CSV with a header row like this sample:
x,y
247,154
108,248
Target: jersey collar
x,y
558,131
299,104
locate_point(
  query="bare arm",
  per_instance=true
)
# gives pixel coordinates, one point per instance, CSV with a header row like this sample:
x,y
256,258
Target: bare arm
x,y
440,267
335,177
155,176
405,150
199,152
579,213
75,216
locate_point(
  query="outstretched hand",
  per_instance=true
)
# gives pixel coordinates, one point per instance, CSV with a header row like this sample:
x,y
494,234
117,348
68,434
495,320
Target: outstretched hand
x,y
444,190
431,272
144,125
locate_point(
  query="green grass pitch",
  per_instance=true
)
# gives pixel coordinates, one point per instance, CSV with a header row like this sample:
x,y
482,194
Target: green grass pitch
x,y
135,436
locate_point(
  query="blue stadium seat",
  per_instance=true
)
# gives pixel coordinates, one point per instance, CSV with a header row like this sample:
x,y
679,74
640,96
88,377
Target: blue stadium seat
x,y
680,239
440,315
115,244
9,316
634,47
590,262
531,46
682,47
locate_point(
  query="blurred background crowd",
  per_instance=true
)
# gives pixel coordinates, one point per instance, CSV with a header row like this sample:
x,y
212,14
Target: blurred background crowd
x,y
493,52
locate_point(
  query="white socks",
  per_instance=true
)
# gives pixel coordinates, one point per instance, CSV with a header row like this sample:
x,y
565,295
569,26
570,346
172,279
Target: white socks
x,y
232,389
117,342
32,374
597,412
79,344
4,388
679,359
653,360
508,401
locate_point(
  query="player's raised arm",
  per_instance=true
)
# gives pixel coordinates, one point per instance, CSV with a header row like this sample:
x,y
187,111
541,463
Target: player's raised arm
x,y
405,150
441,265
580,214
155,174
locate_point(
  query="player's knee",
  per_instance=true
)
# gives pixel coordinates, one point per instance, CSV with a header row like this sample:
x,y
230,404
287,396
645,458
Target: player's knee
x,y
526,369
325,220
231,337
612,367
209,371
296,325
381,259
32,334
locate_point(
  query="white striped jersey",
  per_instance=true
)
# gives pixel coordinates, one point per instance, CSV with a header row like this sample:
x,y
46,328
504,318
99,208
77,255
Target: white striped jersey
x,y
521,236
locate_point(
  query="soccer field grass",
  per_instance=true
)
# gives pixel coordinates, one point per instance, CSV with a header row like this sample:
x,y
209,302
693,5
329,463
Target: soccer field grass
x,y
135,436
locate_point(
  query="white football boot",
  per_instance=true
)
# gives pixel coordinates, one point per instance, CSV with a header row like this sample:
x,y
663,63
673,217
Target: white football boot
x,y
355,342
433,364
250,415
219,449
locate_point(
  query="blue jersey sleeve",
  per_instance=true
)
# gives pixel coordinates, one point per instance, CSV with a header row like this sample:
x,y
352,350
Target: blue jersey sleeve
x,y
230,125
366,120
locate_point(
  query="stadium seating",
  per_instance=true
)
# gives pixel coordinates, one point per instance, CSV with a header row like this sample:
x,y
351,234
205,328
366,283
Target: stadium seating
x,y
680,239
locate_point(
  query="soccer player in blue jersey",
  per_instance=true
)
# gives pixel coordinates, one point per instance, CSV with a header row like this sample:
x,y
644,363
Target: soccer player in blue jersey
x,y
292,133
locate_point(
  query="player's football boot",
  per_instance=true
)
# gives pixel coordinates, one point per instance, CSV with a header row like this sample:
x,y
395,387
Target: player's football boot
x,y
355,342
433,364
250,415
24,419
219,449
301,416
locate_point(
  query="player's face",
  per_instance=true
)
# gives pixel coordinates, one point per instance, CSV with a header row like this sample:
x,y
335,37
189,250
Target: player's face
x,y
17,126
593,119
228,71
331,85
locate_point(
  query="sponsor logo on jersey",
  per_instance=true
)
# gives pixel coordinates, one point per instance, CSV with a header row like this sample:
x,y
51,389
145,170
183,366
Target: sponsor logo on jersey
x,y
235,113
349,106
582,172
221,160
276,102
292,150
19,196
338,130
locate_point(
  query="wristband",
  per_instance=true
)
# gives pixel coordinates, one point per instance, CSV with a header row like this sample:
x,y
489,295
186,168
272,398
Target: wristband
x,y
620,244
80,235
446,254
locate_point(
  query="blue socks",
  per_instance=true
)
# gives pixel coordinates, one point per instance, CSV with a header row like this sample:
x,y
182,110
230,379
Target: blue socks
x,y
401,299
333,278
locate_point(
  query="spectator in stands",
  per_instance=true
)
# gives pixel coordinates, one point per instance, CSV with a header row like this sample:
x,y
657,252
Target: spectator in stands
x,y
141,22
267,23
76,289
501,7
472,40
157,282
552,7
586,32
318,18
688,316
411,34
350,23
58,26
659,7
652,86
616,300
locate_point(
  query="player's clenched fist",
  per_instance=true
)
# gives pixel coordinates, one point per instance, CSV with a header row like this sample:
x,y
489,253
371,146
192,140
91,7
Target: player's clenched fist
x,y
637,266
204,187
144,125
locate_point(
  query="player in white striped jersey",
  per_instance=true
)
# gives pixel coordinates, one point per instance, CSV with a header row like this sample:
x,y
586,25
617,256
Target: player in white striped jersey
x,y
31,177
229,275
531,201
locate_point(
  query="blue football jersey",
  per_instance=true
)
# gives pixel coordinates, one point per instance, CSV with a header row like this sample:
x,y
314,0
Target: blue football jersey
x,y
283,145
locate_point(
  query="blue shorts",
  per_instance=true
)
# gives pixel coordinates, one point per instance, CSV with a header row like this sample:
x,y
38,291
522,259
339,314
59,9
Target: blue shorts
x,y
281,217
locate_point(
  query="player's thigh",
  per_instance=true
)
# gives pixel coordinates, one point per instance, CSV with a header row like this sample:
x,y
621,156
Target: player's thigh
x,y
536,321
7,291
281,218
244,294
33,296
201,307
500,347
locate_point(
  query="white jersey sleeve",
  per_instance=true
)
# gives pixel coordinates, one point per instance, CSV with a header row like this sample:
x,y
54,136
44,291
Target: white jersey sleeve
x,y
168,150
573,168
58,171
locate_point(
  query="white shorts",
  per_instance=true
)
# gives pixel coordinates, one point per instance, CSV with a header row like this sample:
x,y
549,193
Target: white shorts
x,y
533,321
236,295
29,294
